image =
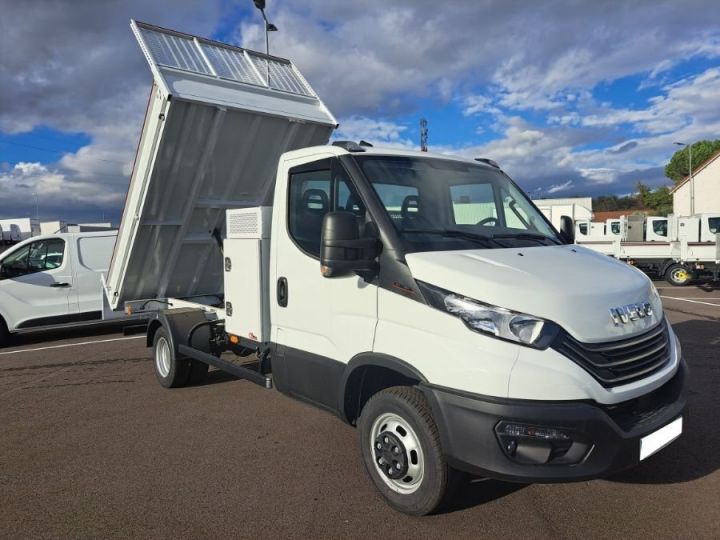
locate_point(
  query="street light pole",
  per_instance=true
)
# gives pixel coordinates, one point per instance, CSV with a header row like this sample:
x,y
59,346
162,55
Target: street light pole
x,y
269,27
692,183
692,179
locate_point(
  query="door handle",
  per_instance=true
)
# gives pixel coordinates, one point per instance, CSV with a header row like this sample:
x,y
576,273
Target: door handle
x,y
282,292
63,284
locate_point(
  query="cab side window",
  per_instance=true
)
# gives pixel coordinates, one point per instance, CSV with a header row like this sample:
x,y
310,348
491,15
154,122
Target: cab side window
x,y
313,194
660,227
308,203
35,257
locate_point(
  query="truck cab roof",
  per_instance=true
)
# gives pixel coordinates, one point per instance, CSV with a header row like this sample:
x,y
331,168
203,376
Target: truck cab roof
x,y
336,150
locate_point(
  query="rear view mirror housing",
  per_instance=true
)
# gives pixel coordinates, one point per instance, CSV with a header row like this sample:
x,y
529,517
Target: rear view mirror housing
x,y
342,249
567,229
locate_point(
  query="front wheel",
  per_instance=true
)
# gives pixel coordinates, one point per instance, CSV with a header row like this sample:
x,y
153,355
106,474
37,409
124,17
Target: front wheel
x,y
401,449
678,275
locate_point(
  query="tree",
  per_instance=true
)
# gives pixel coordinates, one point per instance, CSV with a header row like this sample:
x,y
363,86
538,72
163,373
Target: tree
x,y
606,203
678,167
659,200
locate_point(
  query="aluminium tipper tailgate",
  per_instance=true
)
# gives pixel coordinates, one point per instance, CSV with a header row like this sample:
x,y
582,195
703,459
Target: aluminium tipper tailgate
x,y
214,130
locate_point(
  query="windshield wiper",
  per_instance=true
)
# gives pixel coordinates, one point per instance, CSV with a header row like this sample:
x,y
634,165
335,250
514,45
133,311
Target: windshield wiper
x,y
526,236
452,233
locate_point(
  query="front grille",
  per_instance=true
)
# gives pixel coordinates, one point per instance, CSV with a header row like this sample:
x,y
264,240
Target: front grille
x,y
623,361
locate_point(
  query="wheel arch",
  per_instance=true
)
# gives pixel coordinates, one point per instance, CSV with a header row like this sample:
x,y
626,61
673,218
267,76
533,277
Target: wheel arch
x,y
153,326
178,323
368,373
666,264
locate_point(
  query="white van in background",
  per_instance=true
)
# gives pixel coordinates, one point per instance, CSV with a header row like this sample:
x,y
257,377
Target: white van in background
x,y
53,280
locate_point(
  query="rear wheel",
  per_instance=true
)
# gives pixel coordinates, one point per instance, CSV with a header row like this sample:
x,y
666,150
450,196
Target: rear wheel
x,y
401,449
678,275
170,370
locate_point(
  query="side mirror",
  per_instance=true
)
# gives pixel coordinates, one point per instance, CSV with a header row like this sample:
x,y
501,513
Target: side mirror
x,y
567,229
342,250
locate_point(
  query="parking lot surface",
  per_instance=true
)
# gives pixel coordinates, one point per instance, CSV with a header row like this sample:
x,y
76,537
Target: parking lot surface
x,y
92,446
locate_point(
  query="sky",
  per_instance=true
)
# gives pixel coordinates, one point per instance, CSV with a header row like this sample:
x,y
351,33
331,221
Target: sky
x,y
572,98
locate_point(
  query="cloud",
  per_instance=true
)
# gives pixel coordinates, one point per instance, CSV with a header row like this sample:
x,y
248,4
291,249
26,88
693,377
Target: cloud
x,y
74,66
560,187
625,147
385,133
688,101
28,187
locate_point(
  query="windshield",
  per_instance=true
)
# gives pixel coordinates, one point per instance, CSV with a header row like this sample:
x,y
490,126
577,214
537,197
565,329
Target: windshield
x,y
438,204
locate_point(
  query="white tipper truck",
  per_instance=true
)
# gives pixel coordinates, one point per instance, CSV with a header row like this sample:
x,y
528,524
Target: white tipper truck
x,y
354,279
679,249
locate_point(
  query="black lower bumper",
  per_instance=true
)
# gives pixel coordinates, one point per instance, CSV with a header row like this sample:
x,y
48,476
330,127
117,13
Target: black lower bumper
x,y
605,439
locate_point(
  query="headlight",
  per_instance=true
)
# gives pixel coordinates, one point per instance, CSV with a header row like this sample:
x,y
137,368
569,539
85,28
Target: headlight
x,y
656,302
492,320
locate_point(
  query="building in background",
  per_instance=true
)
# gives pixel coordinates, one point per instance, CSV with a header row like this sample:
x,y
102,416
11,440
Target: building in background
x,y
706,187
579,201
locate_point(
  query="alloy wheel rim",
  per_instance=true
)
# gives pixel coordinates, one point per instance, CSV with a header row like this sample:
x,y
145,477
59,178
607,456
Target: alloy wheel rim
x,y
162,357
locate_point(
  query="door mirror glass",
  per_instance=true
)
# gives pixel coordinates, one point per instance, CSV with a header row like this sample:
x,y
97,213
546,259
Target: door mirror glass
x,y
342,249
567,229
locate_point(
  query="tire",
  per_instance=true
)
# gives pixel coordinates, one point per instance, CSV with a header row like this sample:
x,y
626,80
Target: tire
x,y
171,371
4,333
678,275
421,486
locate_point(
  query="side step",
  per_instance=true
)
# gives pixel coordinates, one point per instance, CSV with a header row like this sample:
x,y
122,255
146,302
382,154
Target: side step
x,y
238,371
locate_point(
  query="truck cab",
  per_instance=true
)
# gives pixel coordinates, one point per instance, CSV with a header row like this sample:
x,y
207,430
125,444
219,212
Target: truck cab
x,y
380,277
656,229
709,227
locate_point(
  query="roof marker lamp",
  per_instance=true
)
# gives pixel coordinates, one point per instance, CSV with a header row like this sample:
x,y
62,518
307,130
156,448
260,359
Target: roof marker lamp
x,y
492,320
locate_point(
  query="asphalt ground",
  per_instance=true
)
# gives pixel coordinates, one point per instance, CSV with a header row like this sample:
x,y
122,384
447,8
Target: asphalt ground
x,y
92,446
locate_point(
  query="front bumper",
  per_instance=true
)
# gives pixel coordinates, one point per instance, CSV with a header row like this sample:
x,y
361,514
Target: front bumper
x,y
611,434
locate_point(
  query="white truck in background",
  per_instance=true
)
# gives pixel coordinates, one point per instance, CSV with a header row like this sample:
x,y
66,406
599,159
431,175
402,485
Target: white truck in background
x,y
10,233
355,279
555,213
27,227
53,227
89,227
679,249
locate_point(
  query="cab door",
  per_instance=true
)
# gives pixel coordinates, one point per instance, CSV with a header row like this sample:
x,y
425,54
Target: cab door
x,y
319,323
36,284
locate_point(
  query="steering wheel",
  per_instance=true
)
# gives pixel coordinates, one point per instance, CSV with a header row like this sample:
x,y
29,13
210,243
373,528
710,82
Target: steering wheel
x,y
487,220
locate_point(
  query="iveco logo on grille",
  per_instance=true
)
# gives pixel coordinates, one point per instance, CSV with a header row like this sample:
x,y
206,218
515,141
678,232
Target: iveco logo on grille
x,y
630,312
